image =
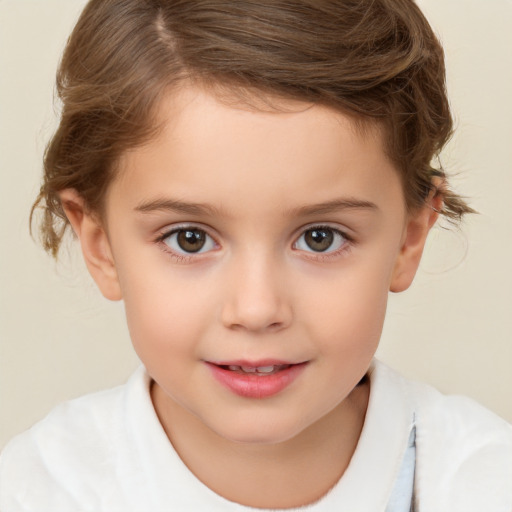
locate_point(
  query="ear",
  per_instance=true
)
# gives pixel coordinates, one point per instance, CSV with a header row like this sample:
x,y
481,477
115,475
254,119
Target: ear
x,y
94,242
413,241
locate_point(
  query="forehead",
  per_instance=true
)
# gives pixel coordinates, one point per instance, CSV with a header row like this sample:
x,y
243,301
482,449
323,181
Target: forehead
x,y
257,148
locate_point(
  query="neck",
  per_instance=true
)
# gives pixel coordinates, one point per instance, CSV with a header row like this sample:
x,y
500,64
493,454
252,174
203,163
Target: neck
x,y
289,474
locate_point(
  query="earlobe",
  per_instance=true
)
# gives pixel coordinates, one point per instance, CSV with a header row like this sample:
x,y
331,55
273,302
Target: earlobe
x,y
413,243
94,243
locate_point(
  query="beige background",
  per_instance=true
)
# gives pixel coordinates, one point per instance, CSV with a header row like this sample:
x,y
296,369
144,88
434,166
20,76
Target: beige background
x,y
59,338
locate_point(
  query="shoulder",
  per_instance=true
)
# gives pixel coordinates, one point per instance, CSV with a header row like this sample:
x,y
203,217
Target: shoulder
x,y
70,451
457,414
464,451
464,454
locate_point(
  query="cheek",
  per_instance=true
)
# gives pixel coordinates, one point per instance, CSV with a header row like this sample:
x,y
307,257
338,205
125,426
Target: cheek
x,y
165,314
353,322
347,307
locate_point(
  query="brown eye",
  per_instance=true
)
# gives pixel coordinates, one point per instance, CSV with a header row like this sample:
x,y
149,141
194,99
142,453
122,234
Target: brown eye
x,y
189,240
321,239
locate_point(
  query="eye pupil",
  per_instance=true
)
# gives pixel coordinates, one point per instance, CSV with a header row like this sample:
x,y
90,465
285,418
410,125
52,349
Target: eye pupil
x,y
191,240
319,240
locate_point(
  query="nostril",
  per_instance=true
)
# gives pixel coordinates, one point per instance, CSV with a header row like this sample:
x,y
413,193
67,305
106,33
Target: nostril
x,y
275,327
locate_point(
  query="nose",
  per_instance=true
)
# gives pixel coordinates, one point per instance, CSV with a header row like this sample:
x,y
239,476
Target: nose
x,y
257,298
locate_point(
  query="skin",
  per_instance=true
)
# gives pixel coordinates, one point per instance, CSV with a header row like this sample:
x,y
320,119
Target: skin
x,y
257,290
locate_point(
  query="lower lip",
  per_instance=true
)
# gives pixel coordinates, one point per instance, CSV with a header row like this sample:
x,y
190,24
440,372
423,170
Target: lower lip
x,y
254,386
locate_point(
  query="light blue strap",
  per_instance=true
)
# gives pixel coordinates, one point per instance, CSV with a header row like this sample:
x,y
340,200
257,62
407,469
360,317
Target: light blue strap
x,y
402,495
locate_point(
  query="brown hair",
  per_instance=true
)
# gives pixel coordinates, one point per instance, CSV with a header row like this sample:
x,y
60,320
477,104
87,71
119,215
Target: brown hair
x,y
377,60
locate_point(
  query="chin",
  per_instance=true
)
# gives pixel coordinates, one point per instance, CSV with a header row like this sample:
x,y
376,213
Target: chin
x,y
259,433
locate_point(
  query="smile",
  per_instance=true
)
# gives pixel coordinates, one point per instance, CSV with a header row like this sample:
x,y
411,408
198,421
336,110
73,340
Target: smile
x,y
258,370
256,380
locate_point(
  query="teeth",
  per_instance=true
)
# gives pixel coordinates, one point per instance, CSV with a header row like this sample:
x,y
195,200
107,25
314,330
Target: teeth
x,y
265,369
251,369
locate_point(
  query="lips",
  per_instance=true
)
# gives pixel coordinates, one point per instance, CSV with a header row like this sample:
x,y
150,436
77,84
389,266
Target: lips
x,y
258,379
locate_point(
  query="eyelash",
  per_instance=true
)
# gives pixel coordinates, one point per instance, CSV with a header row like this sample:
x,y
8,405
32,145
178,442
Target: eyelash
x,y
325,256
312,255
181,257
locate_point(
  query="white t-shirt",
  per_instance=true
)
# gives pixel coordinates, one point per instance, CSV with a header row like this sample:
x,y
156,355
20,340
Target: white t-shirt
x,y
107,452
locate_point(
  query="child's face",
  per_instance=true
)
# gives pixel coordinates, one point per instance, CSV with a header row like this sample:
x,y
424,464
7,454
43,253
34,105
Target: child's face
x,y
245,238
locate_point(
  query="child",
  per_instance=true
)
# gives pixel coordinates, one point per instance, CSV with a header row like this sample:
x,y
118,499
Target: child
x,y
252,179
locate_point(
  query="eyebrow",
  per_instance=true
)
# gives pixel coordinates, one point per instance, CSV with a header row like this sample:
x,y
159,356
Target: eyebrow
x,y
334,205
207,209
176,206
